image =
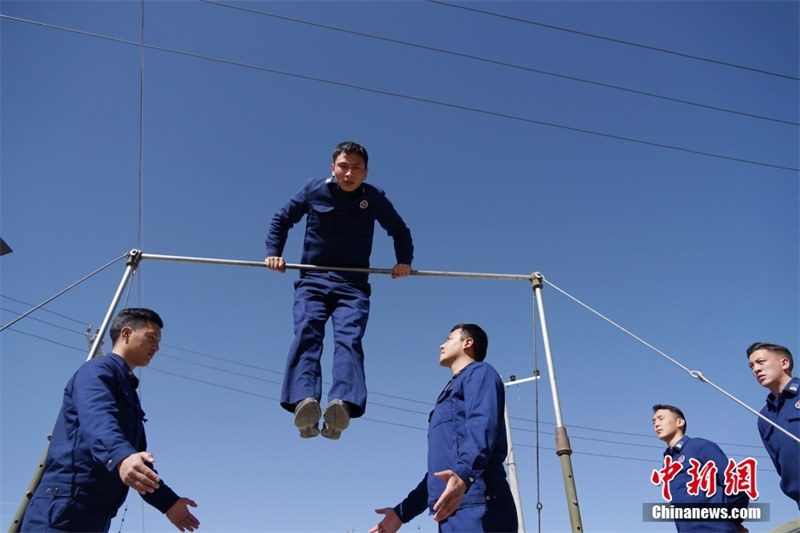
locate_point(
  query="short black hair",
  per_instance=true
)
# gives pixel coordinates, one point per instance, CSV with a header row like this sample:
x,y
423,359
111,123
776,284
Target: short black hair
x,y
775,348
350,147
480,341
135,318
673,409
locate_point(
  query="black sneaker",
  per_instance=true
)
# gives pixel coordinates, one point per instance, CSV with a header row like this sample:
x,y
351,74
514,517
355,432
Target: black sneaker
x,y
337,418
306,417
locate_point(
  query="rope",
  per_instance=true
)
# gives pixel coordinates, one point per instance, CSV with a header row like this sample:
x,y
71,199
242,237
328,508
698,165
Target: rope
x,y
29,311
693,373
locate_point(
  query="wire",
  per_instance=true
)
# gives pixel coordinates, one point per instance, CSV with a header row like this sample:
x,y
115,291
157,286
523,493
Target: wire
x,y
536,421
419,99
615,40
68,288
496,62
693,373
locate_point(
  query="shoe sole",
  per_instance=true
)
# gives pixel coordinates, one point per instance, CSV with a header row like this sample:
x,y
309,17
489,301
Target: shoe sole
x,y
337,419
306,418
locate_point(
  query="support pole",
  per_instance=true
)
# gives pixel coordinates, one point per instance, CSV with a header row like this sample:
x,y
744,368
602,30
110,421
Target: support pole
x,y
511,463
134,257
563,449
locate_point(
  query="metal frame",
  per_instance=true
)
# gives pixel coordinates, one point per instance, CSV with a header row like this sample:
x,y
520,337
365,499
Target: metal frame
x,y
536,279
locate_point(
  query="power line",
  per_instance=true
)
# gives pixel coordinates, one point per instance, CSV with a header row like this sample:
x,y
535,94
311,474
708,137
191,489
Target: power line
x,y
268,370
615,40
419,99
497,62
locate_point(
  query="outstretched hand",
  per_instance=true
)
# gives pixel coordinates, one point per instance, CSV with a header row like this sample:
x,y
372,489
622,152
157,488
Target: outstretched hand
x,y
390,523
181,517
450,499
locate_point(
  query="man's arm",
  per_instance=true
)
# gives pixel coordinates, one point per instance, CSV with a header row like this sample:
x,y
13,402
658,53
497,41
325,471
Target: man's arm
x,y
289,215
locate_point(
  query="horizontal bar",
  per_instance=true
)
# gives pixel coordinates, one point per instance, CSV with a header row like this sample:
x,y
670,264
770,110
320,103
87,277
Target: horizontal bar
x,y
435,273
518,381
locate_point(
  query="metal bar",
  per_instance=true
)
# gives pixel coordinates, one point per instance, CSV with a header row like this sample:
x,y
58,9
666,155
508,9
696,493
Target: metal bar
x,y
563,449
513,478
29,311
518,381
291,266
134,256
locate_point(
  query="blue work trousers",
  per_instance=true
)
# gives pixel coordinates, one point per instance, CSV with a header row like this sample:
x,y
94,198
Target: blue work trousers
x,y
48,514
347,305
499,515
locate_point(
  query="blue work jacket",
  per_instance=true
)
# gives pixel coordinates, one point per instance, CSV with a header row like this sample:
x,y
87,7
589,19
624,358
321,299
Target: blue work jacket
x,y
784,451
339,227
703,451
100,423
466,434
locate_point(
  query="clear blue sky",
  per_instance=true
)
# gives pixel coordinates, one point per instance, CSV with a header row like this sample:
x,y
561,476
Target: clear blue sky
x,y
642,156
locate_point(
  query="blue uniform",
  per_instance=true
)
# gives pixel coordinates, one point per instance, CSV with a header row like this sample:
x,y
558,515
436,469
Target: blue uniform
x,y
467,434
339,232
703,451
100,423
783,450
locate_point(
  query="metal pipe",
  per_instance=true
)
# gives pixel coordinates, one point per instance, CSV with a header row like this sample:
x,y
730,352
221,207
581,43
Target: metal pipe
x,y
292,266
512,474
134,256
563,449
513,479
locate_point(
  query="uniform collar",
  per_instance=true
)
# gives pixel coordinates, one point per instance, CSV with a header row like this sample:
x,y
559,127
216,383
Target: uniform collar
x,y
791,390
132,379
673,450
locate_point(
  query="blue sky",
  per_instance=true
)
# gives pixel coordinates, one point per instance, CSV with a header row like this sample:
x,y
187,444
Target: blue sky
x,y
643,156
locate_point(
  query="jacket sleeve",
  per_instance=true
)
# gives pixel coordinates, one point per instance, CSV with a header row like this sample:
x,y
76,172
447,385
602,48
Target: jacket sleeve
x,y
289,215
396,228
483,401
714,453
162,498
415,503
99,412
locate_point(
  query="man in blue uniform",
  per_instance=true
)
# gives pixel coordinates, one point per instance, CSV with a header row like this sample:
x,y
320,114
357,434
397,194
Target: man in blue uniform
x,y
340,220
670,427
772,365
465,487
98,448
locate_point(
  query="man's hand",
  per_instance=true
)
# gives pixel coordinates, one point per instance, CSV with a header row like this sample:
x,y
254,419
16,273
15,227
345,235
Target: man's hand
x,y
401,270
275,263
181,517
135,471
390,523
451,498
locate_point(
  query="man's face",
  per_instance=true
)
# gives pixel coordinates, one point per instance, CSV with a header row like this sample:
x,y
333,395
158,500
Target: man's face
x,y
451,348
349,171
141,344
769,368
665,424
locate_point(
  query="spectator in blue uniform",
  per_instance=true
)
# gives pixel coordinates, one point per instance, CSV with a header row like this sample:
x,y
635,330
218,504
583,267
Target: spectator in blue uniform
x,y
465,487
340,216
98,448
772,366
670,427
